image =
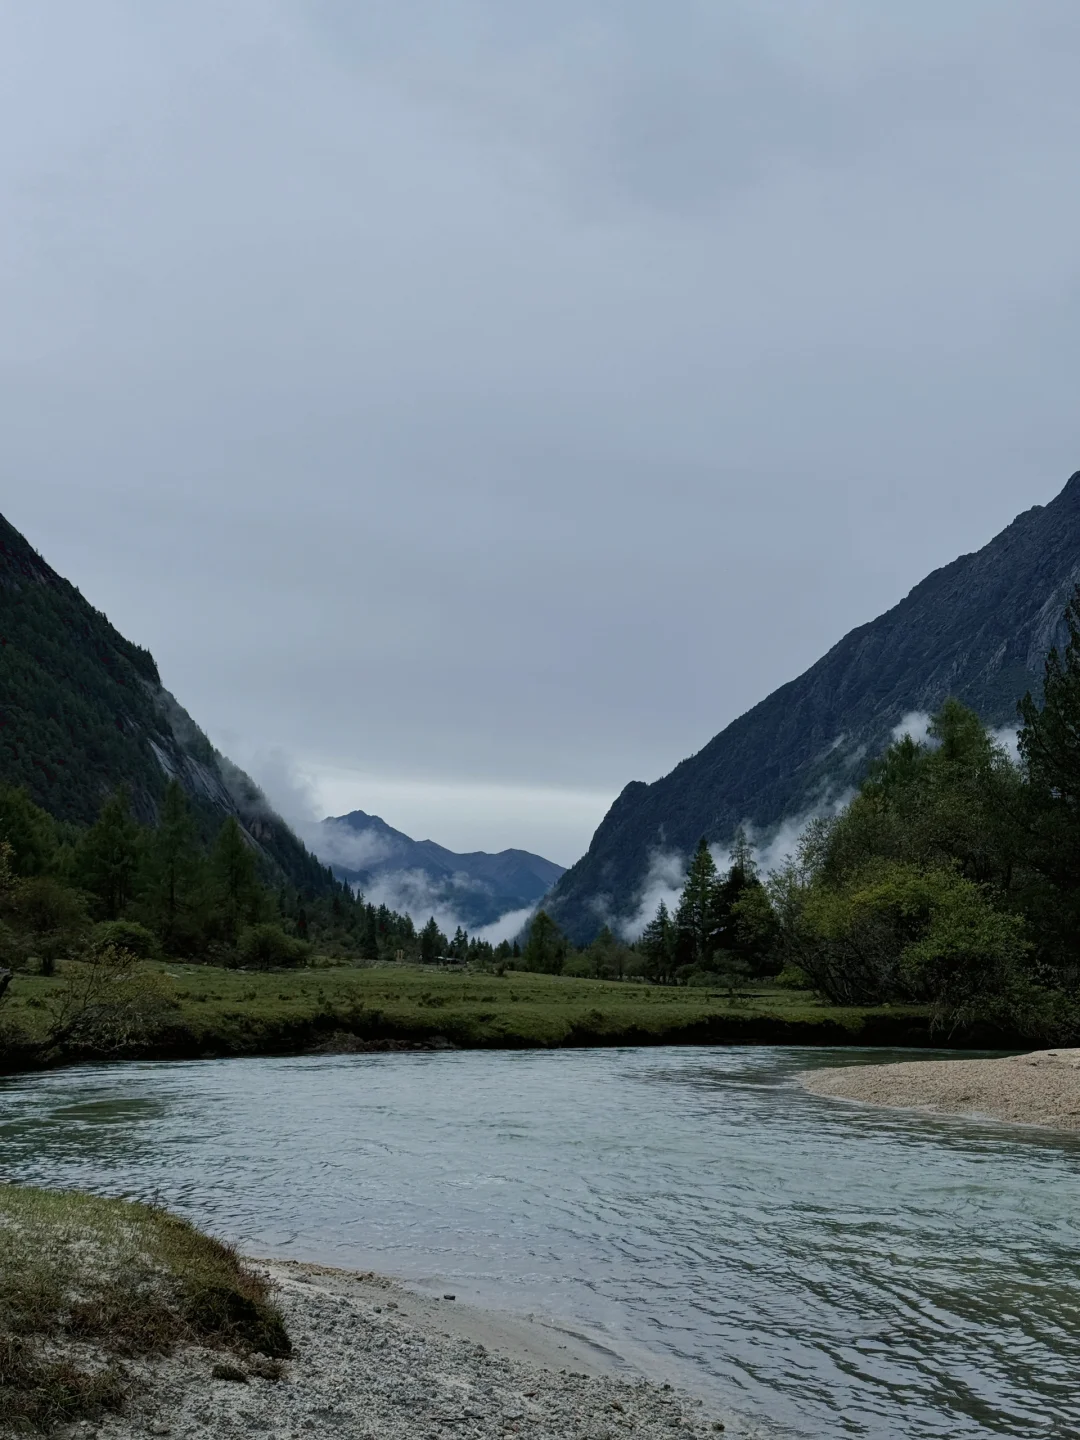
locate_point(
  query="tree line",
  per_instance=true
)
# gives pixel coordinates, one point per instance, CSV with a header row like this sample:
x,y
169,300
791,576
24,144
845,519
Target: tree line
x,y
68,891
722,931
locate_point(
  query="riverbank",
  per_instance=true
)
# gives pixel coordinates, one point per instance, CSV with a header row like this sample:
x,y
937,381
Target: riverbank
x,y
372,1358
89,1288
121,1321
1041,1088
204,1012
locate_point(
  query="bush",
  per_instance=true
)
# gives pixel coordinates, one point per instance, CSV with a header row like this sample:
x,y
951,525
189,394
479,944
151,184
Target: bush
x,y
894,931
108,1003
267,947
44,906
792,978
124,935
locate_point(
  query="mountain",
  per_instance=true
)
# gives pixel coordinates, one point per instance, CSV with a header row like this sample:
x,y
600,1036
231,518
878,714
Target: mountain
x,y
979,629
82,710
422,877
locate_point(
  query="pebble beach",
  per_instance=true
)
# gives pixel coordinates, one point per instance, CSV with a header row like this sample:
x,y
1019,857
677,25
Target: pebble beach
x,y
373,1358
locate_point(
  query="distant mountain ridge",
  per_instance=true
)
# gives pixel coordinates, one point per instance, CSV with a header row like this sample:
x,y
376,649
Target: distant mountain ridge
x,y
83,710
478,888
978,628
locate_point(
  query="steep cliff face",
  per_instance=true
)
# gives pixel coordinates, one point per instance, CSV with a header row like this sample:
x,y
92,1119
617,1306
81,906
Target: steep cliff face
x,y
83,710
978,629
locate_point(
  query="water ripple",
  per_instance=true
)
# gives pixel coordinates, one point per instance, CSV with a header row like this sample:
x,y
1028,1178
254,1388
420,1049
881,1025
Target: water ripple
x,y
837,1270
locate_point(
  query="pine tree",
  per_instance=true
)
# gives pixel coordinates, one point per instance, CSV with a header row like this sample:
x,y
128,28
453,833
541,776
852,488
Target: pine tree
x,y
695,918
658,946
546,947
432,942
174,872
1049,744
744,925
234,878
109,856
605,953
369,942
1050,738
28,829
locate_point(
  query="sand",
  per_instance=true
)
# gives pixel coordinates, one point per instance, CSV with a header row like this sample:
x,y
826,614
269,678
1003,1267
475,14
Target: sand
x,y
1042,1088
374,1358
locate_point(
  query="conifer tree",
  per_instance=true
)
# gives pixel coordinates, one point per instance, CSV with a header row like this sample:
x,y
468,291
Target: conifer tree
x,y
28,829
1049,744
546,946
658,946
695,918
234,878
605,954
109,856
369,942
432,942
174,867
1050,738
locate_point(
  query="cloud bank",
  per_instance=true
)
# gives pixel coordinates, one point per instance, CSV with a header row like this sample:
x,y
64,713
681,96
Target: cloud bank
x,y
433,376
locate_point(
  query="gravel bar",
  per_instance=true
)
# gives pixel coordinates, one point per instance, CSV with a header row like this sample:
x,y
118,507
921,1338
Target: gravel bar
x,y
1042,1088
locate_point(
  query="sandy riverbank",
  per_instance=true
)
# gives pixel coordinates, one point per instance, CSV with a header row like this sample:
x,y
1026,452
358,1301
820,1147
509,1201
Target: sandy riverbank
x,y
1042,1088
373,1358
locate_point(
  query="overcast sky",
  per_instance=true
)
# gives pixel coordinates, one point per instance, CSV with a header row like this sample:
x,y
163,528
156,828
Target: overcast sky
x,y
474,406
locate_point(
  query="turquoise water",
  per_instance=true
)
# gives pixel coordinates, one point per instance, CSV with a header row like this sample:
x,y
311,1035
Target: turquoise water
x,y
834,1269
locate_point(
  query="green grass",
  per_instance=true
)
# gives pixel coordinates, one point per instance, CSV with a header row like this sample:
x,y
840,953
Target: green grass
x,y
227,1012
86,1283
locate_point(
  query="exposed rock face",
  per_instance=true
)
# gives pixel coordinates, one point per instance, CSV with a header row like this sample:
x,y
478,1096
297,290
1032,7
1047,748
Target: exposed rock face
x,y
83,710
978,629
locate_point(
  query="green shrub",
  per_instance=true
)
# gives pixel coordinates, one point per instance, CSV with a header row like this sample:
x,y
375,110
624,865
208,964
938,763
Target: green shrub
x,y
124,935
792,978
268,947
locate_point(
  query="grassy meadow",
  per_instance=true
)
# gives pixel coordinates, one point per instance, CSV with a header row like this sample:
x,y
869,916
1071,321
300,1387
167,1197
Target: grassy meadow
x,y
201,1010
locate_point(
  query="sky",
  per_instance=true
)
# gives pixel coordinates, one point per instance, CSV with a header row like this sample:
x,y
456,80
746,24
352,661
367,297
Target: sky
x,y
476,406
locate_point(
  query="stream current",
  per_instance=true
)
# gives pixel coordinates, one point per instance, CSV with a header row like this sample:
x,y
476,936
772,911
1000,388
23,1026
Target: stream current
x,y
827,1268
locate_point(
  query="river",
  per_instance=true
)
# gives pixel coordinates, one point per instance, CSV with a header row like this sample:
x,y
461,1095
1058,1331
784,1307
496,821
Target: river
x,y
831,1269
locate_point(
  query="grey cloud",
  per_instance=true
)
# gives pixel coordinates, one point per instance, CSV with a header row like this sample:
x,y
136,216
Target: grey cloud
x,y
511,395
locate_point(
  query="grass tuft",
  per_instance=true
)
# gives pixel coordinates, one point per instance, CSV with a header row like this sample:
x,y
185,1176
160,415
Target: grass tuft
x,y
37,1394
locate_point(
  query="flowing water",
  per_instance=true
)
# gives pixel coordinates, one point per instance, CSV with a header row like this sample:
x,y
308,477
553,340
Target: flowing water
x,y
832,1269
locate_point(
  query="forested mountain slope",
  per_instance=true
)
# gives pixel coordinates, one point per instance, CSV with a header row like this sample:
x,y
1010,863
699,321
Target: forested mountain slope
x,y
82,711
477,887
978,629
